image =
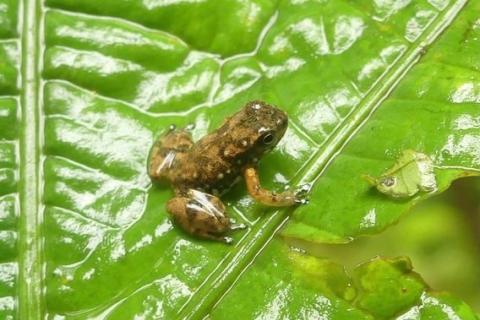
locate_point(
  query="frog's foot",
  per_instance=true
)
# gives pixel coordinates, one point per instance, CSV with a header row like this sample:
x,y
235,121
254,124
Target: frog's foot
x,y
237,226
209,236
301,194
234,225
190,126
172,127
227,240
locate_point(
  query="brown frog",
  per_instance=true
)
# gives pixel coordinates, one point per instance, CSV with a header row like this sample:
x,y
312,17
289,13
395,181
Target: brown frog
x,y
201,171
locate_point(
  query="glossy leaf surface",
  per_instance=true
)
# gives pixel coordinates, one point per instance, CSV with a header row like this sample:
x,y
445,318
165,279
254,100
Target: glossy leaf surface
x,y
87,86
290,284
9,154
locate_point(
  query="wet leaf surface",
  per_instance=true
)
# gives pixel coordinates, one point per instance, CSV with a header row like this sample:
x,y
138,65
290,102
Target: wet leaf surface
x,y
86,87
289,284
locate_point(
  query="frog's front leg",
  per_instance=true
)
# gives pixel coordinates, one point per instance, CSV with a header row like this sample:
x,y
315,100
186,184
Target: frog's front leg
x,y
271,198
200,214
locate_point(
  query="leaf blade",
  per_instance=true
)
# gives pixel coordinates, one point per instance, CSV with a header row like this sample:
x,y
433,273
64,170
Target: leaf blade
x,y
436,128
102,217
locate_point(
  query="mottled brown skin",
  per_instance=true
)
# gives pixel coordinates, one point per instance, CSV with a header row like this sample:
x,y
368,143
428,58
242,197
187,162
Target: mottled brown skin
x,y
201,171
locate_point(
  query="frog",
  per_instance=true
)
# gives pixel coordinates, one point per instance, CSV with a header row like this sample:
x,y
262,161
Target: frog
x,y
201,172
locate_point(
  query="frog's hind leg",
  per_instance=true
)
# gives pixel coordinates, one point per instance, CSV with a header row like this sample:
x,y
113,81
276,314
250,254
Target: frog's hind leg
x,y
201,214
169,147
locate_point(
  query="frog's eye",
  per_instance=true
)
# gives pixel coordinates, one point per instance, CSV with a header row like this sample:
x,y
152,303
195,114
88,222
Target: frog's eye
x,y
268,138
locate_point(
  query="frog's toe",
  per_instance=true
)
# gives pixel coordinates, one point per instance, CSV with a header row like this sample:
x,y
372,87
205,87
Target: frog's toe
x,y
190,126
302,201
301,194
227,240
304,188
172,127
238,226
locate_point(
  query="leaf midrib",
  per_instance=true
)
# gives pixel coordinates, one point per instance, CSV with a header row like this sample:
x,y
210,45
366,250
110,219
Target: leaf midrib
x,y
30,278
231,268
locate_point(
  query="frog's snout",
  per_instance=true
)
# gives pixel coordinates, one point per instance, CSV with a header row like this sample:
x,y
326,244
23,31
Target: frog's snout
x,y
282,119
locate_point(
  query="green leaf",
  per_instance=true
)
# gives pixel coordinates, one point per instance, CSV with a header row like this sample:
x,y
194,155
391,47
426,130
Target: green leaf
x,y
288,284
433,111
86,86
387,287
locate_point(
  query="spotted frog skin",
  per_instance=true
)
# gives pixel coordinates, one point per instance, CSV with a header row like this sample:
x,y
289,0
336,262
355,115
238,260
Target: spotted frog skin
x,y
199,172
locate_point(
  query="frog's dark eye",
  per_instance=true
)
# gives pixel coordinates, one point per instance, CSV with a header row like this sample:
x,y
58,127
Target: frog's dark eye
x,y
268,138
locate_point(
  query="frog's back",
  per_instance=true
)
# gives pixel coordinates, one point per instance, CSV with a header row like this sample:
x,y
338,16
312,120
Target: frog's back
x,y
213,173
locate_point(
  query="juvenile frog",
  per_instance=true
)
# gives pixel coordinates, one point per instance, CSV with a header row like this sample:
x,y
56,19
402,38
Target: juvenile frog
x,y
200,172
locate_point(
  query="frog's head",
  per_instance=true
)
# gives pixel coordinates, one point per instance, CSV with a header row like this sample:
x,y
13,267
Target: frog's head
x,y
265,124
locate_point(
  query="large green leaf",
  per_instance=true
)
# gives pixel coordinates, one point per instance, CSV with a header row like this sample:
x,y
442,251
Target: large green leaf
x,y
87,85
288,284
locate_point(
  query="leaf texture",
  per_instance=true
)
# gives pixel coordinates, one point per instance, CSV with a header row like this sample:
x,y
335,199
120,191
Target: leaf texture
x,y
87,86
9,140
